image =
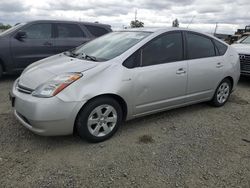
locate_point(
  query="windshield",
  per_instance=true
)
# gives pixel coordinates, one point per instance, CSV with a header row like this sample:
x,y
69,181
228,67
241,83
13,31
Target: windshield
x,y
109,46
12,29
245,40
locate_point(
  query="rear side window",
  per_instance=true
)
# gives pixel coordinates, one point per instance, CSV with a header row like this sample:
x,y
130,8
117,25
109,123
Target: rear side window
x,y
69,31
199,46
96,31
222,48
39,31
164,49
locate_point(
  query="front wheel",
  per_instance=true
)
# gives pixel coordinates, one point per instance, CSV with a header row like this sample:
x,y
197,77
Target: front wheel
x,y
222,93
99,119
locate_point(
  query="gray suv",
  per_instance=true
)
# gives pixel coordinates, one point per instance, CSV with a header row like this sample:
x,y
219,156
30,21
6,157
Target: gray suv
x,y
26,43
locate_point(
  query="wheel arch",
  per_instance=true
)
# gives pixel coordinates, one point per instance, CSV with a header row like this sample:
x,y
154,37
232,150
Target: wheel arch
x,y
231,80
116,97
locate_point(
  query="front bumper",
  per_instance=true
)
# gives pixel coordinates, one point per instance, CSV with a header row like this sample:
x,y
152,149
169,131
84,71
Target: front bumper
x,y
45,116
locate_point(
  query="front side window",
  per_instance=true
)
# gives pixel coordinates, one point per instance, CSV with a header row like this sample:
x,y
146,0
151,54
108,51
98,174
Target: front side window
x,y
111,45
164,49
14,28
133,61
69,31
199,46
39,31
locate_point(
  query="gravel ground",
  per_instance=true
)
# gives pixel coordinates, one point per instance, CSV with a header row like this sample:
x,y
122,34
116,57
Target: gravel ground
x,y
195,146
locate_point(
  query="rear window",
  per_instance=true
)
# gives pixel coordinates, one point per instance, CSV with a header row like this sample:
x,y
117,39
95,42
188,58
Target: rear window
x,y
96,31
69,31
222,48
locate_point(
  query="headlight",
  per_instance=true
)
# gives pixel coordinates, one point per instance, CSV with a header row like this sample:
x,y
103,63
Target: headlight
x,y
56,85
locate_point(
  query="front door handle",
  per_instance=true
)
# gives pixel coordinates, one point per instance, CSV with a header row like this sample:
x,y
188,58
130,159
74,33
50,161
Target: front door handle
x,y
180,71
47,44
219,65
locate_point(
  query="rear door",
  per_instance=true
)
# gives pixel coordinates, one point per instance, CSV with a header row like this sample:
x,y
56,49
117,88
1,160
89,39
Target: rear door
x,y
205,68
37,45
68,36
161,80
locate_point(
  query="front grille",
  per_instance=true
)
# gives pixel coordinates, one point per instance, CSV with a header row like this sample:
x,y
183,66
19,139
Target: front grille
x,y
24,89
245,63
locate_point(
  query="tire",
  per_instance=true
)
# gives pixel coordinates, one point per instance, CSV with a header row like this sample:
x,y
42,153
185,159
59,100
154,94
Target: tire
x,y
99,119
222,93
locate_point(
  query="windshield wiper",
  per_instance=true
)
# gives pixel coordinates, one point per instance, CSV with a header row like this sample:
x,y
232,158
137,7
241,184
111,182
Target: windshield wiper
x,y
85,56
70,53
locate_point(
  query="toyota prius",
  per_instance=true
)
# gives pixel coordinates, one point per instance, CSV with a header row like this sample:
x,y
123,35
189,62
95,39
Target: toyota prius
x,y
123,75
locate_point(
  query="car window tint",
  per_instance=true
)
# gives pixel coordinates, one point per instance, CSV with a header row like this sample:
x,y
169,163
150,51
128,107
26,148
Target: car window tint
x,y
96,31
133,60
38,31
222,48
69,31
164,49
199,46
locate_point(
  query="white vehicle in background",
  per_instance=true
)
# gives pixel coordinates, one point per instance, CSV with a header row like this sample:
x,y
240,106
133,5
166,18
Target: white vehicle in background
x,y
242,46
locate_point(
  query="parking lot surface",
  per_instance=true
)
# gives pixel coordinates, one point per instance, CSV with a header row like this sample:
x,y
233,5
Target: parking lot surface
x,y
194,146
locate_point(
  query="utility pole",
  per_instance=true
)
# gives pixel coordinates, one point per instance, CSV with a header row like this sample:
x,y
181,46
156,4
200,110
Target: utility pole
x,y
190,22
135,14
215,29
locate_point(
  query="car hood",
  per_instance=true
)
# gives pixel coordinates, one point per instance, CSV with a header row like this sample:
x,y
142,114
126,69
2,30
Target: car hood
x,y
242,48
44,70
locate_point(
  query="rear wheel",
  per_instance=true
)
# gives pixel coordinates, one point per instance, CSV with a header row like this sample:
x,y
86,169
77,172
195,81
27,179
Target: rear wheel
x,y
99,119
222,93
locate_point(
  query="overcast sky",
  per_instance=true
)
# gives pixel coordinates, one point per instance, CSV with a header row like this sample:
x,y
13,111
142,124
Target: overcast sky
x,y
230,14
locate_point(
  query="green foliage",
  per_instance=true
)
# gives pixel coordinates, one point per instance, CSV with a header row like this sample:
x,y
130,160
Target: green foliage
x,y
4,27
136,23
175,23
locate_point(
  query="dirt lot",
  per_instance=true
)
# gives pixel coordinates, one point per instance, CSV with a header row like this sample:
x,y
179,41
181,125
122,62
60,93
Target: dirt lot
x,y
195,146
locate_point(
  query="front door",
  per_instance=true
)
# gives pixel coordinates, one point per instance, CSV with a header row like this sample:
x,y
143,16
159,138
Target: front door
x,y
37,44
160,82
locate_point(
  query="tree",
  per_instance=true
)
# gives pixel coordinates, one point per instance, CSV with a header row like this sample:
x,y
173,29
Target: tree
x,y
4,27
136,23
175,23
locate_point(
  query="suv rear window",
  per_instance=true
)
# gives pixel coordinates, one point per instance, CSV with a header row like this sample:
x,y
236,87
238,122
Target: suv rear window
x,y
96,31
69,31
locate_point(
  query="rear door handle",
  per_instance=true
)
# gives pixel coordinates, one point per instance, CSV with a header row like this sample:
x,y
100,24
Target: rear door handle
x,y
47,44
219,65
180,71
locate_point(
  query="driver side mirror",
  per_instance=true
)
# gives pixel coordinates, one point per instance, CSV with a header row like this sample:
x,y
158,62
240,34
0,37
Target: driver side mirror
x,y
20,35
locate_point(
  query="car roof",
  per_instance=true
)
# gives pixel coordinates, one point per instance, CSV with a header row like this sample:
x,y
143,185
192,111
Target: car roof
x,y
68,21
165,29
151,29
159,29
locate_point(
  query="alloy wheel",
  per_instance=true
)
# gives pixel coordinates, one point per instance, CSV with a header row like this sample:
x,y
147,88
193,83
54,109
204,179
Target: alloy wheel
x,y
223,92
102,120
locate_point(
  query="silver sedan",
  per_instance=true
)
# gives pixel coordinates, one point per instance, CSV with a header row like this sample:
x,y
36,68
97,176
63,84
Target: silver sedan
x,y
121,76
